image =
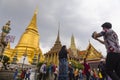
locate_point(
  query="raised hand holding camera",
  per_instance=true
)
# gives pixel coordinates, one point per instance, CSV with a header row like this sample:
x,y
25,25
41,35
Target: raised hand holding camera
x,y
94,34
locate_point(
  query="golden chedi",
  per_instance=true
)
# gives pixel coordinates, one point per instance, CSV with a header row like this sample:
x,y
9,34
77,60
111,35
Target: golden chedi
x,y
28,44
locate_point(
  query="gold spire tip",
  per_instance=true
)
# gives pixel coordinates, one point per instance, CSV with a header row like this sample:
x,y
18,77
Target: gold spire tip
x,y
36,10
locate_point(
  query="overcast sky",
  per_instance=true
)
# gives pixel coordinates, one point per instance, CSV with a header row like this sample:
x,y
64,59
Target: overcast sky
x,y
77,17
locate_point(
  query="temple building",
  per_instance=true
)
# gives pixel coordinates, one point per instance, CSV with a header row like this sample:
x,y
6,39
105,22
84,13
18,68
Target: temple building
x,y
74,54
73,48
90,53
73,51
28,48
52,55
28,45
92,56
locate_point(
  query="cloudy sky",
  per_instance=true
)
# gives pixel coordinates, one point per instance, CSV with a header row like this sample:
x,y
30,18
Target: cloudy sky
x,y
77,17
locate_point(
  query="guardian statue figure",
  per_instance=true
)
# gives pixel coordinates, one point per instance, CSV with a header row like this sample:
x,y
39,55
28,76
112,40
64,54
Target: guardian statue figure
x,y
3,42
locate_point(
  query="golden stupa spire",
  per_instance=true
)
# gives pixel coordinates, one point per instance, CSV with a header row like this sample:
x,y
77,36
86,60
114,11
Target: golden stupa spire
x,y
36,11
57,44
58,36
30,39
72,46
33,23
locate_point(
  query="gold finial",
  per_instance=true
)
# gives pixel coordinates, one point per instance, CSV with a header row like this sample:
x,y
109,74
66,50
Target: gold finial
x,y
6,28
36,10
8,23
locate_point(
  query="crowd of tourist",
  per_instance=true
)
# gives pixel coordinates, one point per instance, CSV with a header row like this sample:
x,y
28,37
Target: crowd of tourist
x,y
64,71
88,73
18,73
51,72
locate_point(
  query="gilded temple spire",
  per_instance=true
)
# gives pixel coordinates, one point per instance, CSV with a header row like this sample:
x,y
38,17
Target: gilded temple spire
x,y
30,39
58,42
72,46
52,55
33,23
58,36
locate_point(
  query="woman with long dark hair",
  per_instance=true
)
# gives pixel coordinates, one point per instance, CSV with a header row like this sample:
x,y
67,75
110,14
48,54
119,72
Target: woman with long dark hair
x,y
63,64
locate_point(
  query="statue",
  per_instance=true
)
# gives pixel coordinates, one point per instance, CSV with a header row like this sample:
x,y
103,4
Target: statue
x,y
5,30
3,43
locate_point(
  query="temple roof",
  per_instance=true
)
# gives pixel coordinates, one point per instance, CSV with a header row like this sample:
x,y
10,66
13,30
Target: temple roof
x,y
91,53
57,46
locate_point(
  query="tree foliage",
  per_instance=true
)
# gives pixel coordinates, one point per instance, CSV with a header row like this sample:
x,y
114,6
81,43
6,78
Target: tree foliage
x,y
5,58
77,64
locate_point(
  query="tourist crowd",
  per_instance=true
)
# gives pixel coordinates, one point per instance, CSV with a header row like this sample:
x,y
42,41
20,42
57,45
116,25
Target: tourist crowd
x,y
87,73
51,72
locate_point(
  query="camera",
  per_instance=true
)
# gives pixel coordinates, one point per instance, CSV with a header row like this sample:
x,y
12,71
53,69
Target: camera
x,y
93,34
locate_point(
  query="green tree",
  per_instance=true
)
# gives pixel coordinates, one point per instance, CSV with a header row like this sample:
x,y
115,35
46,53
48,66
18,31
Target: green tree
x,y
77,64
5,58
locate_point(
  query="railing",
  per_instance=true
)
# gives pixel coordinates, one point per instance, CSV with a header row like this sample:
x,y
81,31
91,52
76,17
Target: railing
x,y
6,75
